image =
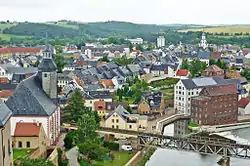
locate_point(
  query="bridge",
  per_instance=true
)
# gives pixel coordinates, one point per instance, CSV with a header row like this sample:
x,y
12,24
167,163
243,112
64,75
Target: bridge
x,y
203,144
160,125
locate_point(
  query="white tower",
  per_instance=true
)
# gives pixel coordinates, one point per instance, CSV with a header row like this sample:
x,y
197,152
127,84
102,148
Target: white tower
x,y
161,41
203,43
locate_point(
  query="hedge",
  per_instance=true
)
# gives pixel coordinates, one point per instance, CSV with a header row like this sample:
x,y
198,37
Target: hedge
x,y
111,145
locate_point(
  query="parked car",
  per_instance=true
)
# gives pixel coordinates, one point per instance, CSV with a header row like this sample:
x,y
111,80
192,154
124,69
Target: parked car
x,y
126,147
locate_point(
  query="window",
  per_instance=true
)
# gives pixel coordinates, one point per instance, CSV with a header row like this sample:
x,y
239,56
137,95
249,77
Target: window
x,y
130,126
117,120
45,75
113,126
3,151
20,144
9,151
28,144
113,120
117,127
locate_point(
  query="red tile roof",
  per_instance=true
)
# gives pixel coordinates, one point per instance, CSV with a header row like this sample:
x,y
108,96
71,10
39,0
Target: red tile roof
x,y
243,102
217,90
215,55
100,105
15,50
27,129
182,72
107,82
6,93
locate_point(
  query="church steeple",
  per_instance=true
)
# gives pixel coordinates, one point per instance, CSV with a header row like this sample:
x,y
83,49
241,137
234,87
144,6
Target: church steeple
x,y
47,72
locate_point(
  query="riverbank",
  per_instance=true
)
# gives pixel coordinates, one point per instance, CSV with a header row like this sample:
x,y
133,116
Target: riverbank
x,y
146,156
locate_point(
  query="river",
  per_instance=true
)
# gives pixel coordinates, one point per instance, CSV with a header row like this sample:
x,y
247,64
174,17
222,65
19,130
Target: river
x,y
165,157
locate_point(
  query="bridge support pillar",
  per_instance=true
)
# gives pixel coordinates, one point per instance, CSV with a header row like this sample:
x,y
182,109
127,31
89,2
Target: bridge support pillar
x,y
224,161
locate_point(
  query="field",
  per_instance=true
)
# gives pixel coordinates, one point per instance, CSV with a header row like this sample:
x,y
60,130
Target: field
x,y
225,29
63,25
9,36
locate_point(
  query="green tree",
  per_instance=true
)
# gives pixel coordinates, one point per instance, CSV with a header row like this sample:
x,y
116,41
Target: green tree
x,y
139,47
92,150
60,62
37,63
123,61
104,59
59,49
212,62
34,162
76,107
246,73
184,64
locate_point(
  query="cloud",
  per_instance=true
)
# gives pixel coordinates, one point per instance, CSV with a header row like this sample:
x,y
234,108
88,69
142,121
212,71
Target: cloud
x,y
140,11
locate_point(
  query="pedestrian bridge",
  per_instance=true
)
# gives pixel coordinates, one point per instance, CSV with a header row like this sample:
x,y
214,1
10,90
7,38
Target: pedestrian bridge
x,y
168,120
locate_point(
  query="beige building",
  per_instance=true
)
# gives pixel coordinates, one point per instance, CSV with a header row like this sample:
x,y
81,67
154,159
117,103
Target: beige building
x,y
30,136
6,153
120,118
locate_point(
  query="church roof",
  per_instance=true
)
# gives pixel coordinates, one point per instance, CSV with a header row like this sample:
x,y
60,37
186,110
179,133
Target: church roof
x,y
47,65
29,99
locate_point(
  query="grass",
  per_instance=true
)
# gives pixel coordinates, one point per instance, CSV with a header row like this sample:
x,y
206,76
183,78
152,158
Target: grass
x,y
21,153
9,36
192,124
225,29
64,25
121,158
3,26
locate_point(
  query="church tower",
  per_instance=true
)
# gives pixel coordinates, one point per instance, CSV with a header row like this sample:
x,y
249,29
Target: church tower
x,y
47,73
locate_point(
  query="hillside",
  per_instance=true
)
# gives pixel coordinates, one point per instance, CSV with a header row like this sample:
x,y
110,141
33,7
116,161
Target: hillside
x,y
95,29
224,29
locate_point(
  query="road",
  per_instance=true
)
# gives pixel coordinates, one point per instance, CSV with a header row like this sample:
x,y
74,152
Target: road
x,y
72,157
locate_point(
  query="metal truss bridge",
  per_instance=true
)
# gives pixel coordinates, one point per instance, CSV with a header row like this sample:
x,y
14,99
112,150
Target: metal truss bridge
x,y
202,144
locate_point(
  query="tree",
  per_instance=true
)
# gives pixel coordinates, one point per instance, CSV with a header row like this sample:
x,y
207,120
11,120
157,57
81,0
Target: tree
x,y
212,62
69,140
60,62
139,47
92,150
34,162
76,106
184,64
104,59
37,63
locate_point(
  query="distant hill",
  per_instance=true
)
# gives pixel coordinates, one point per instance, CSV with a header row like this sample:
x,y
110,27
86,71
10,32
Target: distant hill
x,y
96,29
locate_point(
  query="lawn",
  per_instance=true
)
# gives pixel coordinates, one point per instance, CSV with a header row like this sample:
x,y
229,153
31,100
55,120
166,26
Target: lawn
x,y
121,158
21,153
9,36
225,29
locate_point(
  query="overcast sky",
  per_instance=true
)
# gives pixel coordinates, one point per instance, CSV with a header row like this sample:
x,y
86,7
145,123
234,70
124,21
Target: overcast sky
x,y
138,11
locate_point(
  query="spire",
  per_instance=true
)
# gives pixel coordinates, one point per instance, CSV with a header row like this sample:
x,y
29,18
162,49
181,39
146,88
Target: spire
x,y
46,39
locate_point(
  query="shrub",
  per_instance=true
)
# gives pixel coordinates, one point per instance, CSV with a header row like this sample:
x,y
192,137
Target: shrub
x,y
69,140
111,145
61,161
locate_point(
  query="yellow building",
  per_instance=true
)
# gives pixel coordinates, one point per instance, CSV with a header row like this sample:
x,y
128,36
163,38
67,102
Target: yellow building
x,y
30,136
120,118
100,108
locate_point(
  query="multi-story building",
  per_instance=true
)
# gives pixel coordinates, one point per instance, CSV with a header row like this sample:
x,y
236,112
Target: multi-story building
x,y
216,105
160,41
6,53
136,41
6,154
187,88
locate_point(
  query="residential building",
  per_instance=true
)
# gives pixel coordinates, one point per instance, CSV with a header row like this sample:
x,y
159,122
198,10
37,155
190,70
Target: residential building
x,y
6,152
107,84
5,94
120,118
242,92
215,55
182,74
100,108
245,83
216,105
30,136
213,71
204,56
6,53
35,99
91,97
187,88
63,79
136,41
160,41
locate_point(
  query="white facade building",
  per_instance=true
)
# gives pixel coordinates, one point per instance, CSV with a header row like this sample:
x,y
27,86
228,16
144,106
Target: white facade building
x,y
136,41
160,41
187,88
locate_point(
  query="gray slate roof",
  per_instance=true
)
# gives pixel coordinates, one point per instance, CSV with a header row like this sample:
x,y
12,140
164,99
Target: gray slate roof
x,y
5,114
29,99
204,55
201,82
47,65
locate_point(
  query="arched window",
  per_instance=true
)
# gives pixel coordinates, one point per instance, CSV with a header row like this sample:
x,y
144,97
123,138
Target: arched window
x,y
28,144
20,144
